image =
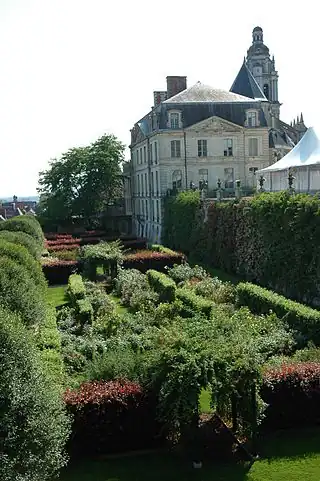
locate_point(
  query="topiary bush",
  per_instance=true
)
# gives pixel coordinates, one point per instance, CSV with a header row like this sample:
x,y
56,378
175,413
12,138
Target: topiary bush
x,y
20,294
23,239
33,421
21,256
25,224
162,284
76,289
303,319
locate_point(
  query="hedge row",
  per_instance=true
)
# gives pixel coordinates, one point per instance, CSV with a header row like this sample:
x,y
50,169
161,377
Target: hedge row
x,y
59,271
26,224
107,418
24,240
304,320
271,239
163,285
195,302
146,260
292,392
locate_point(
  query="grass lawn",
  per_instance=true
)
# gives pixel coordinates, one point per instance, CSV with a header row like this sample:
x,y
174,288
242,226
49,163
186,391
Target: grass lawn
x,y
57,295
294,457
119,308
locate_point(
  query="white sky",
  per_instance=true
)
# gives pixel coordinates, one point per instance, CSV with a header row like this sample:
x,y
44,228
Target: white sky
x,y
71,70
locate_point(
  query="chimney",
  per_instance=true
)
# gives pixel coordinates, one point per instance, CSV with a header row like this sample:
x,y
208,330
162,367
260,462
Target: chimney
x,y
158,97
175,85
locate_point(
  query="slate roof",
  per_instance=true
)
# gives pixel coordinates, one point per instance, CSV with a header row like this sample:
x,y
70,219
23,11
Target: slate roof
x,y
246,85
204,93
280,137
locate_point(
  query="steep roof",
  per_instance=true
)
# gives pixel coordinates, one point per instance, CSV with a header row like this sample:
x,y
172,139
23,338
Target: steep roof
x,y
245,84
204,93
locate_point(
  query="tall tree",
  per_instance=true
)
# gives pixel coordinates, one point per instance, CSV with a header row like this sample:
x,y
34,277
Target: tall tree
x,y
82,182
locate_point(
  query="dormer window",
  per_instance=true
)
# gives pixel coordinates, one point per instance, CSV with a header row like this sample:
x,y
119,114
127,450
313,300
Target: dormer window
x,y
252,119
174,121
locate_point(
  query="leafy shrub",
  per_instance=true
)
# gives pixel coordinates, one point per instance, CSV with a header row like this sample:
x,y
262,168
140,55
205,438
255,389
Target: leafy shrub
x,y
20,294
76,289
20,255
196,303
84,311
33,420
216,290
120,362
129,281
184,272
99,299
107,418
23,239
292,393
303,319
106,254
24,224
58,271
162,284
145,300
145,260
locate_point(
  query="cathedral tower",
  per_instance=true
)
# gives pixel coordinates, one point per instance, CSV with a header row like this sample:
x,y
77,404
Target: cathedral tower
x,y
263,69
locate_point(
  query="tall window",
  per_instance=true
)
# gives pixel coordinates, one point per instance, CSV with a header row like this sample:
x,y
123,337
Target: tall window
x,y
203,175
175,148
152,210
228,148
252,119
228,178
138,184
146,183
202,148
253,147
174,120
145,154
177,179
152,185
156,152
158,210
140,155
142,186
157,183
253,170
147,209
151,153
142,208
137,156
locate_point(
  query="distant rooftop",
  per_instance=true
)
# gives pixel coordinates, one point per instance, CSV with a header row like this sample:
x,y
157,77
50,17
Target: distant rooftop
x,y
204,93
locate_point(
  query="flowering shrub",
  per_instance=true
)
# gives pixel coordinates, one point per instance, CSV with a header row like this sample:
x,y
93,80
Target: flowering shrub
x,y
292,392
108,415
184,272
128,281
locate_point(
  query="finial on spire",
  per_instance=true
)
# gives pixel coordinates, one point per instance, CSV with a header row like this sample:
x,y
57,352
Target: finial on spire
x,y
294,122
301,119
291,123
244,60
298,121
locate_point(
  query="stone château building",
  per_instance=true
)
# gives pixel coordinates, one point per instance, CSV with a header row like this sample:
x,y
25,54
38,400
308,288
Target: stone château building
x,y
206,134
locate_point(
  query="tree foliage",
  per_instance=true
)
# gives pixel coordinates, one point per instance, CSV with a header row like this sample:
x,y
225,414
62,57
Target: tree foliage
x,y
82,182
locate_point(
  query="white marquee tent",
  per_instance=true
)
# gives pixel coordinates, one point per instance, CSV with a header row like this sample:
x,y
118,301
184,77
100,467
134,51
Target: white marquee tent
x,y
304,163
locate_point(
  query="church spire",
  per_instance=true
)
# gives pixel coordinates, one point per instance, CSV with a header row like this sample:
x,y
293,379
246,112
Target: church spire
x,y
301,119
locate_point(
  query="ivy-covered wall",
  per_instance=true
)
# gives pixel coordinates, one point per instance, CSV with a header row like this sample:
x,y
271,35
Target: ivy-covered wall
x,y
272,239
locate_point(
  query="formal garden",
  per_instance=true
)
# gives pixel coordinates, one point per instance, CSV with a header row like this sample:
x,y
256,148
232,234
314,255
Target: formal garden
x,y
122,360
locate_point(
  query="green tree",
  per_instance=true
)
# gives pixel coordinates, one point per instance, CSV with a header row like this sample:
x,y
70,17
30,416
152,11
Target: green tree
x,y
82,182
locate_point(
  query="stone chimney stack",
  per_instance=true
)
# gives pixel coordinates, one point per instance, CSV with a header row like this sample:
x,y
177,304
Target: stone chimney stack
x,y
175,85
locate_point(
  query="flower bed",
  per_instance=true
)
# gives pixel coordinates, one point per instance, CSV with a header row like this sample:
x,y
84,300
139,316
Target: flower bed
x,y
146,259
292,392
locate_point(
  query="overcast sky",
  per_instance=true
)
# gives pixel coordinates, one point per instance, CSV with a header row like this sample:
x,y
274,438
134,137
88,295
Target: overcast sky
x,y
72,70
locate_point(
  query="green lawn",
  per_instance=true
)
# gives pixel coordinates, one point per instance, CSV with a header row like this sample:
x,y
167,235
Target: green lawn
x,y
57,295
293,457
119,308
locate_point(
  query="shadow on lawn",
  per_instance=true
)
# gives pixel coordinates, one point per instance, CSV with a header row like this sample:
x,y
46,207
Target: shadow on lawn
x,y
160,467
290,444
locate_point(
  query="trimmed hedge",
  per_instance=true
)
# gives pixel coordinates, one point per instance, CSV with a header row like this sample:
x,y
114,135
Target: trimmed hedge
x,y
146,260
24,224
108,418
23,239
292,392
84,311
163,285
19,293
59,271
301,318
196,303
76,288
